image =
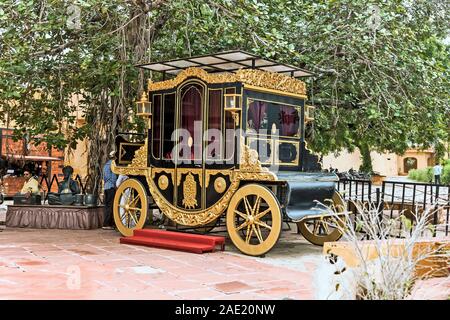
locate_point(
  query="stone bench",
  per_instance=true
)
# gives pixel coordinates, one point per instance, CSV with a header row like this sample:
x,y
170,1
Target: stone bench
x,y
54,217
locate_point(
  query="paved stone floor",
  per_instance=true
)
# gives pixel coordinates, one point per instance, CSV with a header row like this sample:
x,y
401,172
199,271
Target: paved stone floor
x,y
91,264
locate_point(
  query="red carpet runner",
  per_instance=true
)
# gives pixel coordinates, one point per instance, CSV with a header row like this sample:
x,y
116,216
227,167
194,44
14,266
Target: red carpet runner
x,y
195,243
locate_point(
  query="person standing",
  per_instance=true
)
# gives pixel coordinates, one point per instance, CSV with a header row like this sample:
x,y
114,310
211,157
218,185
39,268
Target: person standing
x,y
109,186
437,170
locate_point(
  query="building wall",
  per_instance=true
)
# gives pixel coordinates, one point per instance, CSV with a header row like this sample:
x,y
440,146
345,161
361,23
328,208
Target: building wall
x,y
387,164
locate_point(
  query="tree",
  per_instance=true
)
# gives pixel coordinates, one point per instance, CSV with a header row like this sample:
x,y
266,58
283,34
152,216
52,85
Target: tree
x,y
376,88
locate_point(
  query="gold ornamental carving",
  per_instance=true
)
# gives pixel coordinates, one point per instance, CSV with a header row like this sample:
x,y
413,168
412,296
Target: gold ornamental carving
x,y
128,171
181,171
251,168
191,72
271,80
163,182
249,159
220,185
140,157
253,77
190,192
192,218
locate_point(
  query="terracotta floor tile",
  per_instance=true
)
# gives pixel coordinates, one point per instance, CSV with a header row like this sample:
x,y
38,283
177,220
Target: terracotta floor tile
x,y
232,287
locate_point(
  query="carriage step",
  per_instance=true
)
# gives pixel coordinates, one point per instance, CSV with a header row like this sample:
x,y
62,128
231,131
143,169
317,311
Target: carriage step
x,y
175,240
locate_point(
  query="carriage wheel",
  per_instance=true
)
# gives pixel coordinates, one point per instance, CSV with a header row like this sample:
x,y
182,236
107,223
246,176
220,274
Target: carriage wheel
x,y
130,206
254,219
319,230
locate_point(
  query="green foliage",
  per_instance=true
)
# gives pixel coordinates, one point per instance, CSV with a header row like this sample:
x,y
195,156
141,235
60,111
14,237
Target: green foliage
x,y
377,89
426,175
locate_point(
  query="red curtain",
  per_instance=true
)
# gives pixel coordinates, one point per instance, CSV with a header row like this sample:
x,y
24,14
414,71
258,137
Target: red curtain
x,y
257,111
289,121
191,111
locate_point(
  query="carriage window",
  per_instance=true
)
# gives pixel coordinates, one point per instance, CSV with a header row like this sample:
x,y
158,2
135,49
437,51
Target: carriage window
x,y
214,124
169,125
264,117
257,117
191,117
288,120
156,127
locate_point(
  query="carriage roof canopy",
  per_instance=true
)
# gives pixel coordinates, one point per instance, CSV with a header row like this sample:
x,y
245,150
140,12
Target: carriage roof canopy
x,y
227,61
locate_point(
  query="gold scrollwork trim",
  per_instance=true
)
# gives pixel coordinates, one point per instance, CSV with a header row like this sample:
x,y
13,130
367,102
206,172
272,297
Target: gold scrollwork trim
x,y
127,171
271,80
191,72
257,78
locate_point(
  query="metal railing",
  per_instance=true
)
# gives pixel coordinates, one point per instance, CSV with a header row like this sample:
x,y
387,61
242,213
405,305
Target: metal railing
x,y
51,185
397,197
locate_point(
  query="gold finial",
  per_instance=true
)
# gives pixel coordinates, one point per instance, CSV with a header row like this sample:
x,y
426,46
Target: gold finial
x,y
144,97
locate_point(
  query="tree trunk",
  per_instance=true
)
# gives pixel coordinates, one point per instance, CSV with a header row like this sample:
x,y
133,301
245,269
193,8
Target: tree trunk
x,y
366,158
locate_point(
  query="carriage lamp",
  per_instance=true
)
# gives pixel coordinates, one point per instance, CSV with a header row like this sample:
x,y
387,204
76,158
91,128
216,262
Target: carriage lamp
x,y
144,108
232,104
309,113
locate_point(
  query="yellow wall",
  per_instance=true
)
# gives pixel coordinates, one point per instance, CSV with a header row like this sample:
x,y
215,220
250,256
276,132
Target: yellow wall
x,y
387,164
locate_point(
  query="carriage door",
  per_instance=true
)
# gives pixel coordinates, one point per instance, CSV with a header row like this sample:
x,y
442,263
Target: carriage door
x,y
189,154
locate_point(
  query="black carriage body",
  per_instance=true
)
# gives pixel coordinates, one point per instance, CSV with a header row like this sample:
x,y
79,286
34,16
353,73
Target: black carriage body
x,y
279,139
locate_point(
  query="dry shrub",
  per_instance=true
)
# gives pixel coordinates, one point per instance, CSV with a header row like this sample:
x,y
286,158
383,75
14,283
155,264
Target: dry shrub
x,y
387,270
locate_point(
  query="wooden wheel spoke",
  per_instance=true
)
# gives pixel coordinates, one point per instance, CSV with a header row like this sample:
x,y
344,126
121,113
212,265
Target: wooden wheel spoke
x,y
127,194
134,217
258,233
128,220
325,226
257,205
122,216
249,234
242,226
242,215
135,209
135,200
263,224
316,226
262,214
248,207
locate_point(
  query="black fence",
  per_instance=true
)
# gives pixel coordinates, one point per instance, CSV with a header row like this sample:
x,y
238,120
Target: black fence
x,y
398,197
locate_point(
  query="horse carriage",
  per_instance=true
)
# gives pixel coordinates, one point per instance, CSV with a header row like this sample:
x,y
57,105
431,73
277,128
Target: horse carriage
x,y
225,137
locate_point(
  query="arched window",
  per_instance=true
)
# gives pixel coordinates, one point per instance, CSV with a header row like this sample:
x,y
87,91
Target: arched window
x,y
191,118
